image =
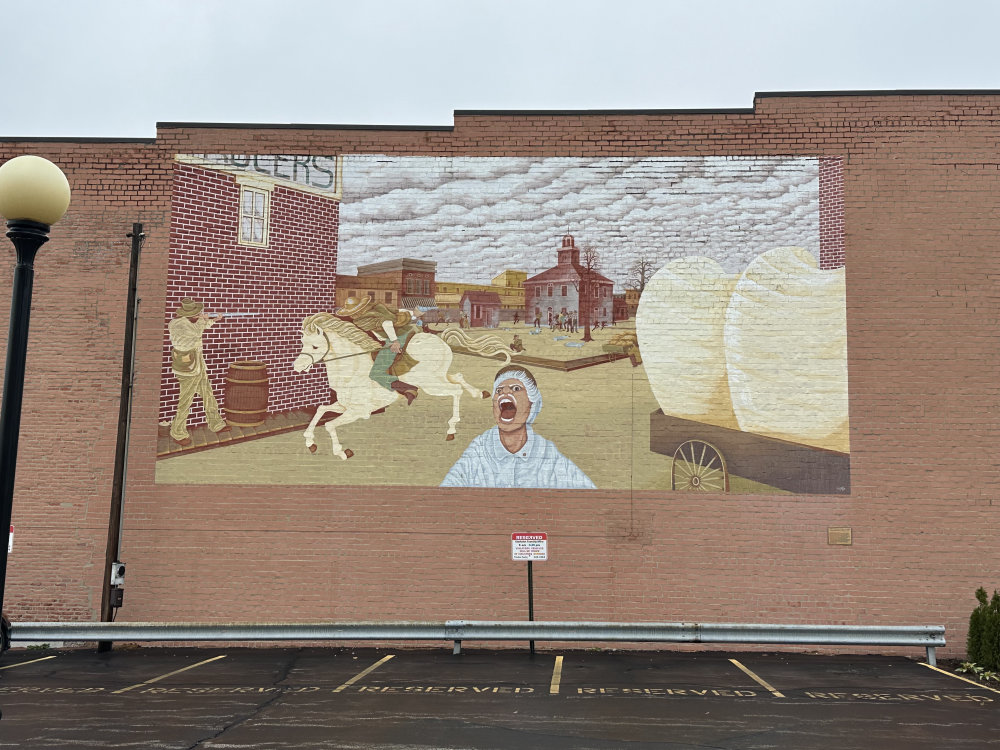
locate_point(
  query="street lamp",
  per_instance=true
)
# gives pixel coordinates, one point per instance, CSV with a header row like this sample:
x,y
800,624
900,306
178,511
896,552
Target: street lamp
x,y
34,194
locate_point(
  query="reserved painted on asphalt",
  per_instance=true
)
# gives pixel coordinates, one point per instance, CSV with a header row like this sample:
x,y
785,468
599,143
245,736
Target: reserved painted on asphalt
x,y
496,690
901,697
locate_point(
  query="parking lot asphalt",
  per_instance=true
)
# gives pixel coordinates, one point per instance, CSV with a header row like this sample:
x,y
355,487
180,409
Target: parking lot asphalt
x,y
265,698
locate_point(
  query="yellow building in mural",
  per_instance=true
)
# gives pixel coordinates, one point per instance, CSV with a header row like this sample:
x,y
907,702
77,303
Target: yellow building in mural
x,y
510,279
449,293
632,301
509,284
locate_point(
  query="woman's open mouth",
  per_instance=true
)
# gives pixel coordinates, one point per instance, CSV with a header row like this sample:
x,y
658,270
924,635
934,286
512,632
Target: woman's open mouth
x,y
508,409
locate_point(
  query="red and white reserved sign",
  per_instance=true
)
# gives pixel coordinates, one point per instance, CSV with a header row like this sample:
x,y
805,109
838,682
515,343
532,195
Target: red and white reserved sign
x,y
529,545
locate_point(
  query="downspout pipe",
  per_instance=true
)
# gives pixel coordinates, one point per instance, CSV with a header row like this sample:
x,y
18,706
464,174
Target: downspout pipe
x,y
109,591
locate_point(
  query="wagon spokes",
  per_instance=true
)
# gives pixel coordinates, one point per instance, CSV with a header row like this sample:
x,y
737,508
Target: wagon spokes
x,y
699,467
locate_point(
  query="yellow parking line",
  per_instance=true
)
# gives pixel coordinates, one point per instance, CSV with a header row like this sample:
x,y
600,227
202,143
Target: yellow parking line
x,y
556,676
963,679
758,680
21,664
168,674
359,675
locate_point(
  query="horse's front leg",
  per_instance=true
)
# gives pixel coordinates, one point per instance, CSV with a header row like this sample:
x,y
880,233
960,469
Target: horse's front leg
x,y
310,432
350,415
453,422
458,384
471,390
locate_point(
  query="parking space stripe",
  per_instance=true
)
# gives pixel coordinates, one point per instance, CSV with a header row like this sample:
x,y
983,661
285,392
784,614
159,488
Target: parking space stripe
x,y
758,680
21,664
168,674
963,679
556,676
359,675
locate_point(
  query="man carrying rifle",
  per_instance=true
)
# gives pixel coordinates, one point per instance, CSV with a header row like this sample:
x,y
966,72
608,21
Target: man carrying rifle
x,y
188,365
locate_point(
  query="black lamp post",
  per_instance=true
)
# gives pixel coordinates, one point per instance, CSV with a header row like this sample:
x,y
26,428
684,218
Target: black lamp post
x,y
34,194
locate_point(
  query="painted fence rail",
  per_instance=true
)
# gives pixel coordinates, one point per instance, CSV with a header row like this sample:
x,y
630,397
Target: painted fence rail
x,y
923,636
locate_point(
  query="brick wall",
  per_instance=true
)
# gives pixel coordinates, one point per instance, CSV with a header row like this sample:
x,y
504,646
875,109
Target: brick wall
x,y
73,372
293,277
831,212
920,181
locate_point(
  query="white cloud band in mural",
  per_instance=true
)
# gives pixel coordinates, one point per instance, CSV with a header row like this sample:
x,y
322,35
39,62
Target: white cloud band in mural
x,y
478,215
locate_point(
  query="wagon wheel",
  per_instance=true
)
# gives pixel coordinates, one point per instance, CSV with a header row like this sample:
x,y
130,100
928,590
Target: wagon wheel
x,y
699,467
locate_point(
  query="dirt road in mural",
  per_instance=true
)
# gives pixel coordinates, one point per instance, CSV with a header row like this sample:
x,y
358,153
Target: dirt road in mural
x,y
582,407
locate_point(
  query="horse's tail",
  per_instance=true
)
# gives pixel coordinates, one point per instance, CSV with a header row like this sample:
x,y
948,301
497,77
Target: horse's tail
x,y
488,346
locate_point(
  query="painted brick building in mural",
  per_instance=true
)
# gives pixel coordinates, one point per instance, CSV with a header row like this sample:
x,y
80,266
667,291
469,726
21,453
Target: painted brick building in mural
x,y
403,282
562,288
270,268
482,309
893,193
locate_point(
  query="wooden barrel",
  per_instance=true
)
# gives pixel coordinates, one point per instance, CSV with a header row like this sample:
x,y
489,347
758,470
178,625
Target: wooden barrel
x,y
245,402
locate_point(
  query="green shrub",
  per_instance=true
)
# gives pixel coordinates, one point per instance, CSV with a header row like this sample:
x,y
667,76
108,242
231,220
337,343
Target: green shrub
x,y
983,643
991,636
975,637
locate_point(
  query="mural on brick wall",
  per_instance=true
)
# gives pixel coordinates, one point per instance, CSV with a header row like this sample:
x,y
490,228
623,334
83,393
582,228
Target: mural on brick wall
x,y
634,323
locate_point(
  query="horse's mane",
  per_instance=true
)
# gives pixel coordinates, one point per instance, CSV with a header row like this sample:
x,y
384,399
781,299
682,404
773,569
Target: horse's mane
x,y
324,321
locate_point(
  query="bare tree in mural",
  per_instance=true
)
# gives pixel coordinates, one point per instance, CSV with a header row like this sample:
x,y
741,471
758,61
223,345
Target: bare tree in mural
x,y
589,269
640,272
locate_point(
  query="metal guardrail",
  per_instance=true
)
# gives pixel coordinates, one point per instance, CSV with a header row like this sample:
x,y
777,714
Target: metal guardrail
x,y
923,636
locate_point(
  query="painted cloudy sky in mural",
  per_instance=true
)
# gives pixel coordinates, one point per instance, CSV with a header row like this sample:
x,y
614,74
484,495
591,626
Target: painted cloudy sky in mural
x,y
476,216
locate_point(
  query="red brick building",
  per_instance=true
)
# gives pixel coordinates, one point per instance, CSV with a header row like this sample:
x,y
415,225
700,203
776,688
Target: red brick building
x,y
482,309
568,287
403,282
919,228
273,263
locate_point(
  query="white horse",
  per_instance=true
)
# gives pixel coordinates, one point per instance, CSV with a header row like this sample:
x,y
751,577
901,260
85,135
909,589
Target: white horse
x,y
346,351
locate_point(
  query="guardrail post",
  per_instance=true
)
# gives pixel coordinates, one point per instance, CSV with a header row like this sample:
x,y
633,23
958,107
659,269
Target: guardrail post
x,y
457,648
930,656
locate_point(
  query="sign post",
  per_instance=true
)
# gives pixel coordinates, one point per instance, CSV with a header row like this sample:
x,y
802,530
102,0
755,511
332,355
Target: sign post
x,y
530,546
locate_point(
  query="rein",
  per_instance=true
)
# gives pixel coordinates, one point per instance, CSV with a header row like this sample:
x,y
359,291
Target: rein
x,y
329,348
344,356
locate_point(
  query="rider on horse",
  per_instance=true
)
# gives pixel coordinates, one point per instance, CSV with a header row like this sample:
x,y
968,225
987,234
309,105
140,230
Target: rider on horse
x,y
391,328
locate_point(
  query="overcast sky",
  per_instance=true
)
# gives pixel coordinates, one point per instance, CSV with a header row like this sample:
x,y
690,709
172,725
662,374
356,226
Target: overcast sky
x,y
476,217
114,68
